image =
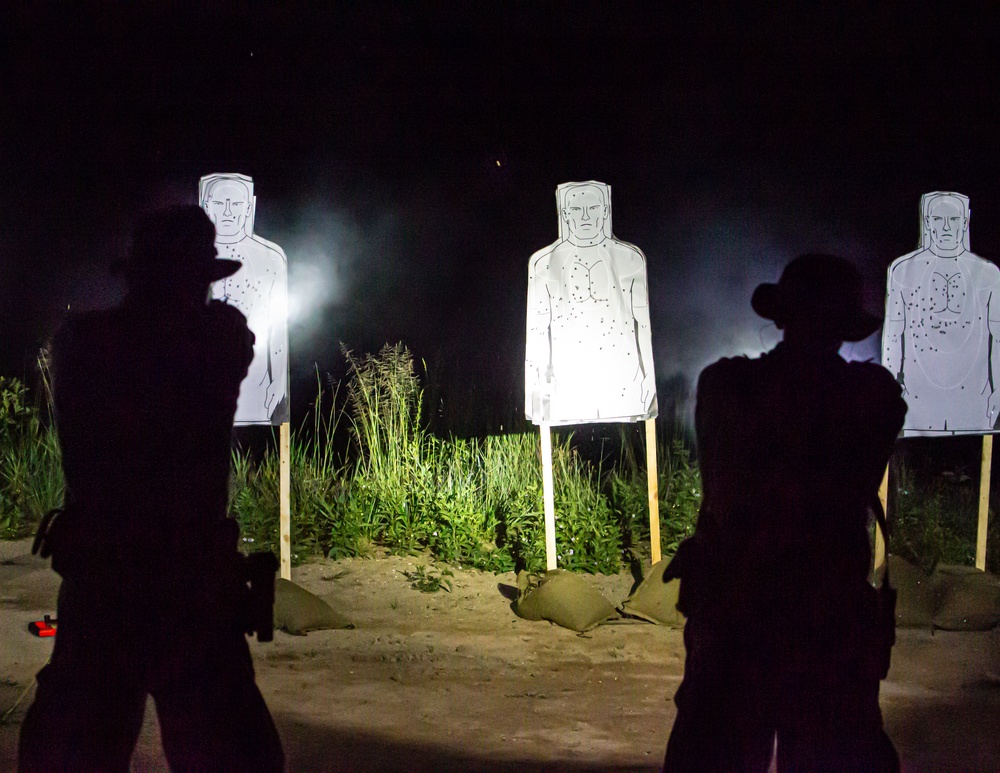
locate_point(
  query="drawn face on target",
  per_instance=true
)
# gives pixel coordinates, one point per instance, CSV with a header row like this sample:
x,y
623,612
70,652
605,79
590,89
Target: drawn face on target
x,y
585,212
228,205
946,222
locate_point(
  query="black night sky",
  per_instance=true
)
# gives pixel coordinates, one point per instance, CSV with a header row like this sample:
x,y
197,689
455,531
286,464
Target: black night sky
x,y
405,156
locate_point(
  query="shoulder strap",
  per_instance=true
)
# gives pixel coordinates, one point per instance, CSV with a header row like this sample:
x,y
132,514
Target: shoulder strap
x,y
880,518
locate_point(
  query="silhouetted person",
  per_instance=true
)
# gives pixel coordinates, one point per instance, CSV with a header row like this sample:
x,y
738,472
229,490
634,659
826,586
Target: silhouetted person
x,y
774,583
154,595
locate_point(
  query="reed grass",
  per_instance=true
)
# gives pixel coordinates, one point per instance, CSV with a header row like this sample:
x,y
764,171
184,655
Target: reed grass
x,y
30,460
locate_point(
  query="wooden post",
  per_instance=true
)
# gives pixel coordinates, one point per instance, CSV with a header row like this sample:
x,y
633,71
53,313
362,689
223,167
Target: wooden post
x,y
548,496
984,502
883,495
285,501
653,484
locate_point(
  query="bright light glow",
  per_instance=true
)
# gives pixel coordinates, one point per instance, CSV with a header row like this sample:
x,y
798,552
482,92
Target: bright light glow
x,y
313,284
321,248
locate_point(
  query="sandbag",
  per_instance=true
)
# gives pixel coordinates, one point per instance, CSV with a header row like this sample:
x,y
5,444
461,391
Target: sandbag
x,y
917,594
298,611
563,598
655,600
969,599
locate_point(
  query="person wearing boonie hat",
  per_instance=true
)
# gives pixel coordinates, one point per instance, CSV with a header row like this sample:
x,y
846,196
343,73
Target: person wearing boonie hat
x,y
152,579
819,293
174,247
792,446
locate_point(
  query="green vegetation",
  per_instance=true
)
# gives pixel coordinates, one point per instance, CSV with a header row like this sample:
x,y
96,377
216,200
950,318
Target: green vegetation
x,y
934,519
474,503
679,497
430,580
30,463
459,502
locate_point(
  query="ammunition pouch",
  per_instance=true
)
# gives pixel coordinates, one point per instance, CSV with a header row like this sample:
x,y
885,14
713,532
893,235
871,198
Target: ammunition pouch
x,y
42,545
62,536
256,612
693,564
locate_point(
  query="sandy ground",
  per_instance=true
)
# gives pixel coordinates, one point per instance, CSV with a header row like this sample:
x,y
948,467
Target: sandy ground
x,y
455,681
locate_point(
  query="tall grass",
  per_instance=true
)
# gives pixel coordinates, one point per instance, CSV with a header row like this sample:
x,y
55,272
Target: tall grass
x,y
30,461
470,502
679,489
324,521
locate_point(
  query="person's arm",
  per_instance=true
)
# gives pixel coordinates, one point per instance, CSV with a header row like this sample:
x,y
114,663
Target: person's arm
x,y
881,412
235,342
66,379
711,404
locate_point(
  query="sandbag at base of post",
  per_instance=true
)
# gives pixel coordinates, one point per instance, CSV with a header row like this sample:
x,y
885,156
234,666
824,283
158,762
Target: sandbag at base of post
x,y
563,598
655,600
297,611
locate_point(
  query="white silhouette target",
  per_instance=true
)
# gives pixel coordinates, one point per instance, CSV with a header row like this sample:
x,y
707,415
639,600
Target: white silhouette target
x,y
259,290
941,323
588,354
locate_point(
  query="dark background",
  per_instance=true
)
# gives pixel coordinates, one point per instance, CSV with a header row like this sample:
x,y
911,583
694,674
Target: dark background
x,y
405,156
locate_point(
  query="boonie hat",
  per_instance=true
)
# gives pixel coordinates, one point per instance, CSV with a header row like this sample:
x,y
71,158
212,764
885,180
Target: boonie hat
x,y
823,288
175,243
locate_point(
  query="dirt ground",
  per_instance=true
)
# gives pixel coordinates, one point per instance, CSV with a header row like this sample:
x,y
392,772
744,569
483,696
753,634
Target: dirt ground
x,y
455,681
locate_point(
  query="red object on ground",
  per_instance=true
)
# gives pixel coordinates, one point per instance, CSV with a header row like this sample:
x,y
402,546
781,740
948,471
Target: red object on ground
x,y
46,627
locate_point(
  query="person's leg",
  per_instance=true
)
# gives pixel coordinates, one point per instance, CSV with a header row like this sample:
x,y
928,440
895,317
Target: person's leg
x,y
723,718
215,717
77,727
88,709
832,722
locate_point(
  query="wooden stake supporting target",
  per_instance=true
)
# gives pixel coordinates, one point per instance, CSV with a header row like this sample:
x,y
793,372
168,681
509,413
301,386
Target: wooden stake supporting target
x,y
548,493
653,484
572,373
285,497
548,496
984,502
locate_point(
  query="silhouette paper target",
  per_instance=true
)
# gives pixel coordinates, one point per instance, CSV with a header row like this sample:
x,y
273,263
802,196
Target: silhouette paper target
x,y
588,353
941,324
259,290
